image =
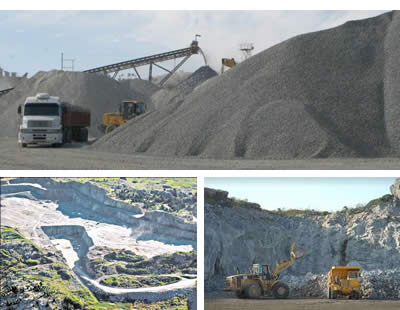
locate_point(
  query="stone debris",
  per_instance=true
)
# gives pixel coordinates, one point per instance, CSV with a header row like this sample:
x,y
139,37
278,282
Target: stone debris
x,y
238,235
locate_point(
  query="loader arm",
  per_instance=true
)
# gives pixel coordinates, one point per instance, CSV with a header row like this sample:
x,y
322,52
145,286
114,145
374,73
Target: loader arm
x,y
295,253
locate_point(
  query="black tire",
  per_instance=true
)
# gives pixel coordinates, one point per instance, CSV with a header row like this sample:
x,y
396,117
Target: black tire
x,y
23,144
334,294
355,295
84,135
76,134
67,136
111,127
280,290
253,291
329,294
239,294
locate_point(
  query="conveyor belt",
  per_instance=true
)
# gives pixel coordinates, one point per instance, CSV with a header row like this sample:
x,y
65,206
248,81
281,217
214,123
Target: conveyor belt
x,y
5,91
148,60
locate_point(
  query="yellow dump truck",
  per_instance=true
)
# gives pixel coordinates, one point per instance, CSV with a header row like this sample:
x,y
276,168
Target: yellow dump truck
x,y
128,109
344,281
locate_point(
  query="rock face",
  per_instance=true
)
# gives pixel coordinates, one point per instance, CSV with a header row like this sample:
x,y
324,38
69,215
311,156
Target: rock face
x,y
395,189
238,235
331,93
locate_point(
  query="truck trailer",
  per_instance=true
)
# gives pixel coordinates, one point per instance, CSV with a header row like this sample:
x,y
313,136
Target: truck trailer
x,y
46,120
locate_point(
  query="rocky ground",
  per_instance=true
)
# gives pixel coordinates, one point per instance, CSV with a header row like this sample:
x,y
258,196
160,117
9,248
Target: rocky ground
x,y
100,240
226,301
238,234
78,157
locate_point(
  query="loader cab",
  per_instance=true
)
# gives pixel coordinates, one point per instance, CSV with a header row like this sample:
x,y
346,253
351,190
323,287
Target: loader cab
x,y
130,109
263,271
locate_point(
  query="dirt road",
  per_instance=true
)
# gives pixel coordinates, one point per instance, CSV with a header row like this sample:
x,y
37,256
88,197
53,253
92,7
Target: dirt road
x,y
230,303
78,157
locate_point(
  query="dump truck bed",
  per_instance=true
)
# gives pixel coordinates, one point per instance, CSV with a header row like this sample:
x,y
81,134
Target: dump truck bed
x,y
75,116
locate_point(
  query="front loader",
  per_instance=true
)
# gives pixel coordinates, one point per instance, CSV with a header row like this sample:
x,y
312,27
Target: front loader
x,y
261,280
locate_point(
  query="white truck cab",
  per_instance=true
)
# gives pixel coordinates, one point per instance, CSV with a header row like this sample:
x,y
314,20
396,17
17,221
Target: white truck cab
x,y
41,121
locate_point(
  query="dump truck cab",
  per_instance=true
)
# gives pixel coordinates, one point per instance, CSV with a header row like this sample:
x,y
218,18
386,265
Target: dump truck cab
x,y
128,109
41,120
344,281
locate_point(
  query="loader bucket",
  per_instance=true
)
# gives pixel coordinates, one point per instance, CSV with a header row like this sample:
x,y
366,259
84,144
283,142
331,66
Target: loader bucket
x,y
295,252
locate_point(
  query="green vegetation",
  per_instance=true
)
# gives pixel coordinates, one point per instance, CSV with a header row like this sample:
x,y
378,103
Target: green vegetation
x,y
23,273
123,255
374,202
173,182
231,202
8,233
176,303
129,281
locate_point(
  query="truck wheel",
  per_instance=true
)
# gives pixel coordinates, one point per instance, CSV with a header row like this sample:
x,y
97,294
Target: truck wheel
x,y
280,290
22,144
111,128
67,136
329,295
334,294
84,135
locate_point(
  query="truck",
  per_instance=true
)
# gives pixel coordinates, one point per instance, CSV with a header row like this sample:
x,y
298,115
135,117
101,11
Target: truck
x,y
262,280
344,281
46,120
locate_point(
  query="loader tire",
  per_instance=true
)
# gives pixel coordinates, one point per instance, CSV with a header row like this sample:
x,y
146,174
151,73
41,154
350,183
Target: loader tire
x,y
334,294
253,291
280,290
111,127
355,295
329,294
239,294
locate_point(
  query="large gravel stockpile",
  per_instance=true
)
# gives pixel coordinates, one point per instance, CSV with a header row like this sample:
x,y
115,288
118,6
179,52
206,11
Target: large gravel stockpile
x,y
238,234
177,94
97,92
332,93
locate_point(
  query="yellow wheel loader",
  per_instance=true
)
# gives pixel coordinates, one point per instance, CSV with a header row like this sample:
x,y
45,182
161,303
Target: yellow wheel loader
x,y
344,281
261,280
228,62
128,109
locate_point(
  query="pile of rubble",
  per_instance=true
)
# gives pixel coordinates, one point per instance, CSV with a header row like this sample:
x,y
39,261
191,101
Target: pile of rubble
x,y
169,199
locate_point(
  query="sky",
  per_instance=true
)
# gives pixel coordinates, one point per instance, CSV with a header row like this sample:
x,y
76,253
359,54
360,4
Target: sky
x,y
32,41
325,194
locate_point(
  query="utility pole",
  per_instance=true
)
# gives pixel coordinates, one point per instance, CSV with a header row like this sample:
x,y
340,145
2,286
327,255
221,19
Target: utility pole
x,y
71,63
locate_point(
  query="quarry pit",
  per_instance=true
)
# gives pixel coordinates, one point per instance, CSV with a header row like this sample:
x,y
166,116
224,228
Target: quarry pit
x,y
102,237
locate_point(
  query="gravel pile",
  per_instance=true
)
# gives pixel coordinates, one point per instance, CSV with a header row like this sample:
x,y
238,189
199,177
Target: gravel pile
x,y
375,284
177,94
332,93
97,92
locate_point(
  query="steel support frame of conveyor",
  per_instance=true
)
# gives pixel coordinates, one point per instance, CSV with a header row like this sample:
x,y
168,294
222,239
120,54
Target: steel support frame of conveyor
x,y
161,67
142,61
151,71
165,79
137,73
115,74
